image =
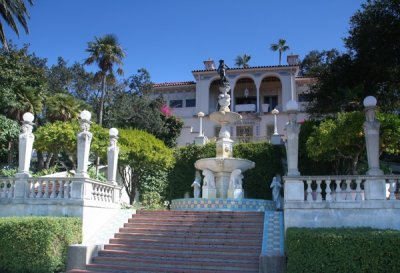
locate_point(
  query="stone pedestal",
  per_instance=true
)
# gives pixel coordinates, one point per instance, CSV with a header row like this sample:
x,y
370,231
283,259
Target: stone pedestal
x,y
294,190
293,131
235,193
112,157
209,193
222,184
84,140
276,140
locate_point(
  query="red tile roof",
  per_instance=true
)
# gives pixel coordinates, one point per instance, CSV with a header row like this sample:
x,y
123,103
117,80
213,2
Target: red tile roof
x,y
164,84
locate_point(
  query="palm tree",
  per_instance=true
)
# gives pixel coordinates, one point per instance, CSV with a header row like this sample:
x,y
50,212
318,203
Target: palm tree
x,y
105,52
9,11
281,47
242,61
63,107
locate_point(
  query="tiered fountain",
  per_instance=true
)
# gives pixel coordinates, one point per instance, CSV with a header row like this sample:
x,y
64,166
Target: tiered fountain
x,y
222,183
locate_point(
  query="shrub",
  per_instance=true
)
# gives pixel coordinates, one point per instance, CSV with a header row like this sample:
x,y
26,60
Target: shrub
x,y
342,250
36,244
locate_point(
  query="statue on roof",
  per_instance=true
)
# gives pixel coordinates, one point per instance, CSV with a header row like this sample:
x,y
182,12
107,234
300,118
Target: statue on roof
x,y
222,72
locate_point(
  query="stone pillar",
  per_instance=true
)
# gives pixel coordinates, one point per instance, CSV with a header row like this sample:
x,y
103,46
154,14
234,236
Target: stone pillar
x,y
200,139
112,157
293,130
26,139
294,189
84,140
375,189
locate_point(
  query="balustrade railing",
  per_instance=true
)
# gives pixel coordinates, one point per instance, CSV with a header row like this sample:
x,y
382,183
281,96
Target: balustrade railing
x,y
54,188
343,188
50,188
7,188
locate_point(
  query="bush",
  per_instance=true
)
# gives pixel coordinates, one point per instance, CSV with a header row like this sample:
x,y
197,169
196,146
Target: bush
x,y
36,244
268,159
342,250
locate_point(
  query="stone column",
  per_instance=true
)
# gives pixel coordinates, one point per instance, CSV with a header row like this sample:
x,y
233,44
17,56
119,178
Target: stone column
x,y
112,157
84,140
374,188
200,139
294,189
26,139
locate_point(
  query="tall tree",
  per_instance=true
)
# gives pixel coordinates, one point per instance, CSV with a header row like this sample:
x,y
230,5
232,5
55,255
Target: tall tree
x,y
22,82
242,61
12,11
105,52
281,47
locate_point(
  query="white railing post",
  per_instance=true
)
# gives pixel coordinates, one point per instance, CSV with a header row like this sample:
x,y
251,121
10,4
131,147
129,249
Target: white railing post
x,y
84,140
112,157
294,189
26,139
374,189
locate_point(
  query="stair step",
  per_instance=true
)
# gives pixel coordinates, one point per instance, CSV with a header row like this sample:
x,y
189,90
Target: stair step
x,y
237,250
191,229
196,249
185,241
183,255
172,264
188,235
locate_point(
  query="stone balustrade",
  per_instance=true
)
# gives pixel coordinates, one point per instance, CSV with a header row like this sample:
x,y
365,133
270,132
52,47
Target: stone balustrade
x,y
348,188
56,188
7,186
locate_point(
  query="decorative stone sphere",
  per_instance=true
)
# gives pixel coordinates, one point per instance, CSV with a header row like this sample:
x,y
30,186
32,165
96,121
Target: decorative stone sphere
x,y
28,117
292,105
85,115
200,114
275,111
370,101
113,132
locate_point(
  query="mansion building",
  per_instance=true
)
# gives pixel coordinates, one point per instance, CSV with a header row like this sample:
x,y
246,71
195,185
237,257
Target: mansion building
x,y
255,92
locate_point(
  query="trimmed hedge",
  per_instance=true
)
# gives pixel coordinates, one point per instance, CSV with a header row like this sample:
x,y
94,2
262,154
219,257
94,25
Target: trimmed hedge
x,y
36,244
342,250
256,182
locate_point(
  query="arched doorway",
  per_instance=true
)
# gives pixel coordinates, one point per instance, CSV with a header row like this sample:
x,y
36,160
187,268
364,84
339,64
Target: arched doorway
x,y
245,93
271,94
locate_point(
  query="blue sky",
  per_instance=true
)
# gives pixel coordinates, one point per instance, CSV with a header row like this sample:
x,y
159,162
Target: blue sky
x,y
170,38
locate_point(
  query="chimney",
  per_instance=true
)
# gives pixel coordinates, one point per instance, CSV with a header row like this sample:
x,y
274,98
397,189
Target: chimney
x,y
293,59
209,64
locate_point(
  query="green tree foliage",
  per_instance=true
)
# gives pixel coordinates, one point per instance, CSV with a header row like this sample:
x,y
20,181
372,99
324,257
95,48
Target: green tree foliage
x,y
341,141
131,110
242,61
140,83
9,131
374,42
63,107
281,47
22,82
59,141
142,158
13,11
106,52
315,62
370,67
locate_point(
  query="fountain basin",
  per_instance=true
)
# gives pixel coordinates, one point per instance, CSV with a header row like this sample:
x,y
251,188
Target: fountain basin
x,y
221,164
223,117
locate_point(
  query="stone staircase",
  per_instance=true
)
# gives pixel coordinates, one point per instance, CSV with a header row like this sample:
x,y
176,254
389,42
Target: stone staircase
x,y
183,241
